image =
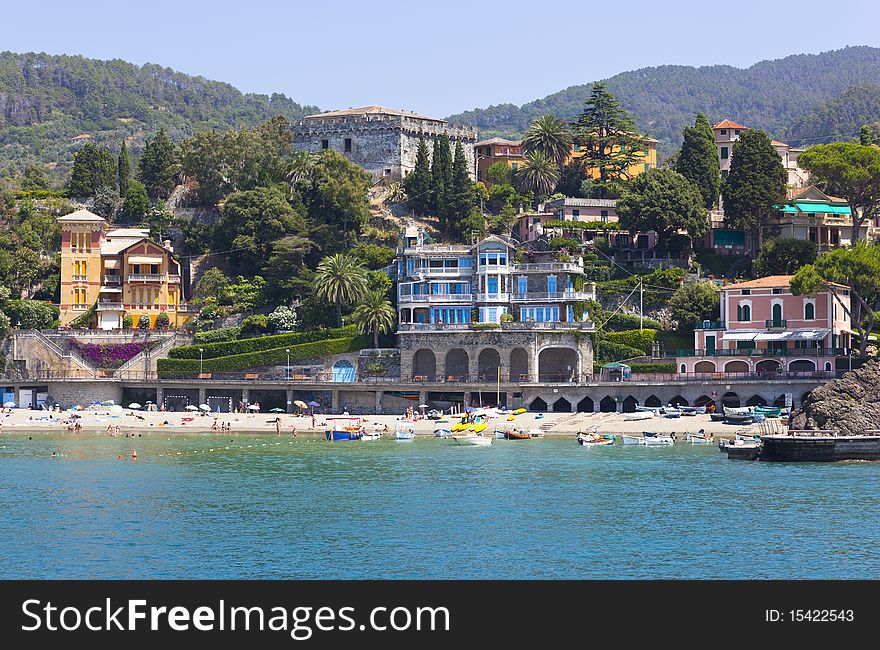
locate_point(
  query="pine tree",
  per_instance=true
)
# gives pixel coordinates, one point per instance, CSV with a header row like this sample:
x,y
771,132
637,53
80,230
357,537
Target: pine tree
x,y
418,182
461,194
158,165
93,170
698,160
754,185
441,178
608,138
123,170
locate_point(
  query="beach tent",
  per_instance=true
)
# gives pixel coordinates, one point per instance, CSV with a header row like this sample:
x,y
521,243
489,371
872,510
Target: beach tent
x,y
615,371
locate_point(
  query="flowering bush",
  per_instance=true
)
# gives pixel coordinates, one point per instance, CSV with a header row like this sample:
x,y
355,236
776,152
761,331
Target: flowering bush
x,y
109,355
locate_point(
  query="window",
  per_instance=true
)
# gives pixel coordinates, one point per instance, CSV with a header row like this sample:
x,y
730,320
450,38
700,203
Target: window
x,y
647,152
515,166
603,215
492,286
724,153
479,174
325,144
809,311
575,213
577,147
736,132
723,131
747,292
551,284
348,145
523,285
387,172
743,313
647,167
777,313
776,292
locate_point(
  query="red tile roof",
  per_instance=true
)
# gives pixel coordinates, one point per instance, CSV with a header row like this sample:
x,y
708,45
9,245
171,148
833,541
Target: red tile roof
x,y
727,124
762,283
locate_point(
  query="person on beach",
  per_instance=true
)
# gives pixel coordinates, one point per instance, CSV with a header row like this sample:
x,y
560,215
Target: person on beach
x,y
278,426
313,420
214,426
293,431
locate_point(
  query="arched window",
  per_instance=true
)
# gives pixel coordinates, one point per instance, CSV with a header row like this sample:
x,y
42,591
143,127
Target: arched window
x,y
809,311
777,312
743,313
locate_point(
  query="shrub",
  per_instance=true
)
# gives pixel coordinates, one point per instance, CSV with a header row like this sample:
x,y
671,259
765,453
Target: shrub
x,y
163,322
486,326
84,320
608,351
217,335
4,323
283,319
109,355
242,346
31,314
506,318
254,325
144,322
268,357
127,322
641,340
557,243
646,368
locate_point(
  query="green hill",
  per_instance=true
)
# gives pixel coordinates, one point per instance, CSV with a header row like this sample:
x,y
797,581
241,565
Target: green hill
x,y
769,95
46,101
839,118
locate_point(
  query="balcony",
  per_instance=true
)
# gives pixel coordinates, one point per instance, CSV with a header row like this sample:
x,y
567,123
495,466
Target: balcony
x,y
428,249
764,352
433,327
531,326
541,296
492,297
549,267
106,305
436,298
710,325
445,272
79,307
174,279
775,324
112,279
80,278
146,277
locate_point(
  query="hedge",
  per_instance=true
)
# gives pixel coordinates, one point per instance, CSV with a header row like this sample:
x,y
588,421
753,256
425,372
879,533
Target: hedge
x,y
607,351
257,344
583,225
622,322
641,340
645,368
271,357
217,335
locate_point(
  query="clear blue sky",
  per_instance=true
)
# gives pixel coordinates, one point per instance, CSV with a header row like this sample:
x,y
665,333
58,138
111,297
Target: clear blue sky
x,y
435,58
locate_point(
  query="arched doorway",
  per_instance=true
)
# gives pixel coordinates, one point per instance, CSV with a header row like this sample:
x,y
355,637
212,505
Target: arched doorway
x,y
557,364
779,401
562,405
608,404
678,400
653,400
457,365
630,404
777,314
802,365
538,404
730,399
704,400
519,365
756,400
424,365
736,366
488,364
704,366
768,365
586,405
343,371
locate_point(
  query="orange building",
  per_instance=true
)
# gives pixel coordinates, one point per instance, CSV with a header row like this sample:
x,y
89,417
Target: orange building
x,y
647,158
488,152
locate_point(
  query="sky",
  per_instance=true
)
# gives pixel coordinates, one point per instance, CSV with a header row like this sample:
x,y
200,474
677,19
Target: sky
x,y
435,58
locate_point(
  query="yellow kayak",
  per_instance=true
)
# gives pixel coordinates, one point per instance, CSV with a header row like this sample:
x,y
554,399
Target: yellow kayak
x,y
458,427
510,418
479,427
518,411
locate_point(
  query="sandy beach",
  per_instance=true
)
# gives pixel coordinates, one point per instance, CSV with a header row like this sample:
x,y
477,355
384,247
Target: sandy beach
x,y
141,422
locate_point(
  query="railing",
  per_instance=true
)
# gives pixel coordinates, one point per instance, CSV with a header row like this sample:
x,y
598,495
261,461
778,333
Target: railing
x,y
710,325
451,272
430,248
764,352
506,326
436,297
775,324
545,326
546,267
112,279
492,297
79,307
431,327
106,305
174,279
531,296
80,278
145,277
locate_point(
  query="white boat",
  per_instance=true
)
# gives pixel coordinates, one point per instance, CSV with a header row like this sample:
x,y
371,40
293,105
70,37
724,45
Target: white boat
x,y
442,432
371,435
536,433
656,410
700,437
738,410
404,431
593,439
639,415
472,439
649,439
671,412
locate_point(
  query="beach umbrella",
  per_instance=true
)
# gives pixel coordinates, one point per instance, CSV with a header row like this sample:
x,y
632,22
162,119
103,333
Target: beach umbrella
x,y
470,408
192,407
276,410
301,404
109,402
9,405
134,405
313,404
204,407
252,407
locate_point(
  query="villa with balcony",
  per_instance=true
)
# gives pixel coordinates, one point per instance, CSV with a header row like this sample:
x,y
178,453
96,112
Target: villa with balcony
x,y
480,306
765,331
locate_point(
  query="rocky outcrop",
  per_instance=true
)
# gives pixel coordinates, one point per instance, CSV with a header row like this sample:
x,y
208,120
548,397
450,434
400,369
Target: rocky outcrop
x,y
850,404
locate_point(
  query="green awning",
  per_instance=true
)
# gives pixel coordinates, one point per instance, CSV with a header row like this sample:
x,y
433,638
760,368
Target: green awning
x,y
729,237
815,208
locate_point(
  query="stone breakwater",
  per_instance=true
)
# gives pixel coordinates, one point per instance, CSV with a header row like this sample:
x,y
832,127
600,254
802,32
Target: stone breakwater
x,y
850,404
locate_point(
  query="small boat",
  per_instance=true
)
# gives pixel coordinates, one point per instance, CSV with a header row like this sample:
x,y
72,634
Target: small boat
x,y
741,449
738,410
769,411
479,427
692,410
442,432
462,426
513,434
649,439
404,431
745,418
700,437
371,435
671,412
717,417
511,418
519,411
593,439
656,410
638,415
474,439
345,429
536,433
539,416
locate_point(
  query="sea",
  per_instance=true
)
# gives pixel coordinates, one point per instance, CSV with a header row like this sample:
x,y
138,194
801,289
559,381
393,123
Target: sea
x,y
268,506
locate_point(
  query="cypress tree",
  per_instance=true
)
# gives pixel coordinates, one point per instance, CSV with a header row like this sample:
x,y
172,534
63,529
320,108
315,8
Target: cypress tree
x,y
461,193
93,170
441,178
123,170
157,165
698,160
418,182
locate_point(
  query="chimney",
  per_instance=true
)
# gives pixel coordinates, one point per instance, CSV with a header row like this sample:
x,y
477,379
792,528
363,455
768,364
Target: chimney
x,y
166,243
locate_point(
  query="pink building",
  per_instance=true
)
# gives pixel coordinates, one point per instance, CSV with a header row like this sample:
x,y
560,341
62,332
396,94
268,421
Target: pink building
x,y
767,331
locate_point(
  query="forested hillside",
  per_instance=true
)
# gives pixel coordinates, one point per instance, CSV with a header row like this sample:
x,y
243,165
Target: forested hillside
x,y
770,95
47,101
840,118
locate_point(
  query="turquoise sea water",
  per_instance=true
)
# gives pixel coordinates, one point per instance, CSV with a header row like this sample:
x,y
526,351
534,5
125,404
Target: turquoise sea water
x,y
277,507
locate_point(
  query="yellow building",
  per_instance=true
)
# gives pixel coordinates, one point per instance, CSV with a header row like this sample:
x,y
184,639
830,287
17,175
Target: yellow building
x,y
120,271
488,152
647,158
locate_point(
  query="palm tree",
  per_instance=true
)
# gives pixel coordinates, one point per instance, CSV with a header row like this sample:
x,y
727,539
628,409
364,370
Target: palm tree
x,y
340,279
538,174
550,136
300,167
396,193
374,315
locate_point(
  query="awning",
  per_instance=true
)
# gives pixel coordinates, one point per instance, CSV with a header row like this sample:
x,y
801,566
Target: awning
x,y
110,290
145,259
809,335
739,336
111,264
773,336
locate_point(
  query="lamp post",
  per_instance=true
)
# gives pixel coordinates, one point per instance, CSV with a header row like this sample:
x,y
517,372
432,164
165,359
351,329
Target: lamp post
x,y
288,364
201,359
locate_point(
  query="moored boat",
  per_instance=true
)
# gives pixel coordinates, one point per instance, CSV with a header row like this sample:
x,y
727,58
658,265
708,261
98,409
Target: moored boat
x,y
513,434
442,432
648,439
700,437
717,417
638,415
345,429
475,439
593,439
404,431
